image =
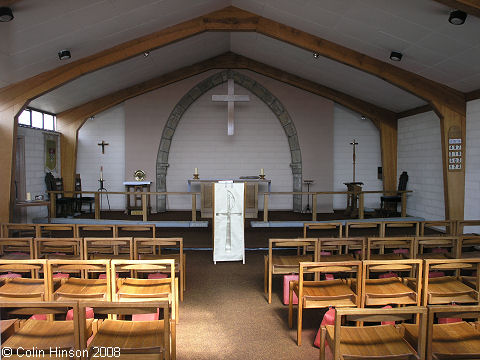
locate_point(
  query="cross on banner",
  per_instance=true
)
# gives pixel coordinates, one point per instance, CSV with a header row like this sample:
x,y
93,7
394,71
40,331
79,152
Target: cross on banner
x,y
354,143
230,98
103,144
228,214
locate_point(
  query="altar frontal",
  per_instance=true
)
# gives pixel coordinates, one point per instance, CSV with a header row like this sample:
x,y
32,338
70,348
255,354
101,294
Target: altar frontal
x,y
228,221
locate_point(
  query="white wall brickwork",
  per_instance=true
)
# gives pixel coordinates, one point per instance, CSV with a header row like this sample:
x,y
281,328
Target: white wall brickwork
x,y
420,155
349,125
109,126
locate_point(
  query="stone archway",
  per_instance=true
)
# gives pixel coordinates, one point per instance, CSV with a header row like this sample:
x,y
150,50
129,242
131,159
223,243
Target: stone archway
x,y
198,90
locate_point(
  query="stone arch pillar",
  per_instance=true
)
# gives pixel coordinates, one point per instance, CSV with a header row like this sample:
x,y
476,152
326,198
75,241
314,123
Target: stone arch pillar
x,y
260,91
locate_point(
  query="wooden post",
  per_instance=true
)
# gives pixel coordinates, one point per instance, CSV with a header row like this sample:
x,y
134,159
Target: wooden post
x,y
404,204
314,207
97,205
144,207
265,207
361,205
194,207
53,205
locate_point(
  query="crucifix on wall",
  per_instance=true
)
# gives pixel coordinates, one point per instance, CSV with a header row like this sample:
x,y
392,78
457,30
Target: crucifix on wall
x,y
103,144
230,98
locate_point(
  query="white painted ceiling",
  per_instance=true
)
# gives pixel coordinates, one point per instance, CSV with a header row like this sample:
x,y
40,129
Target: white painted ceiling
x,y
432,47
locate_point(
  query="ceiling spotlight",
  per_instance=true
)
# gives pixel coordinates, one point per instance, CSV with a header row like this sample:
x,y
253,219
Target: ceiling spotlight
x,y
396,56
5,14
64,54
316,55
146,53
363,117
457,17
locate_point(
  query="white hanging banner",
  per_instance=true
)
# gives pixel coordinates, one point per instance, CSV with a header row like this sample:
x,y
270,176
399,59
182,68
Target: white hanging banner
x,y
228,221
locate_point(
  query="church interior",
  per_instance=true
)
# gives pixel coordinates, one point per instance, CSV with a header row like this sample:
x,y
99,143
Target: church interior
x,y
240,179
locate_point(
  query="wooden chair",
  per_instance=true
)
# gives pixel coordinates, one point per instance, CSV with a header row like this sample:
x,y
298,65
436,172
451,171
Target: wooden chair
x,y
374,228
324,293
64,205
108,248
80,200
390,248
389,203
440,247
341,249
59,248
433,227
146,230
13,230
160,246
17,249
331,227
24,289
36,338
451,289
82,287
132,339
95,230
414,225
55,230
392,290
461,224
458,340
377,341
285,264
469,246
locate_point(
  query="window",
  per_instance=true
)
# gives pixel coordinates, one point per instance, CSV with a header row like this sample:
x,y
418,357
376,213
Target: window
x,y
37,119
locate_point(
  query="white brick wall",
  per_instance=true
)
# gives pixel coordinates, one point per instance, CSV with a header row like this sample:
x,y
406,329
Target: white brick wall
x,y
108,126
35,168
472,175
420,154
348,125
201,141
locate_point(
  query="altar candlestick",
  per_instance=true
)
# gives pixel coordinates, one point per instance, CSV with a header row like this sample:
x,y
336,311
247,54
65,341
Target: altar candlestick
x,y
101,172
196,171
262,172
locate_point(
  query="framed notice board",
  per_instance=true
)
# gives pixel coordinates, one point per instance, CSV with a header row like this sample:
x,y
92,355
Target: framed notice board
x,y
455,149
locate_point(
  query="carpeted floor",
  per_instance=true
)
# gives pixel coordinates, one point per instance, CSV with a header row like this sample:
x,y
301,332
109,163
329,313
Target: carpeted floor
x,y
225,314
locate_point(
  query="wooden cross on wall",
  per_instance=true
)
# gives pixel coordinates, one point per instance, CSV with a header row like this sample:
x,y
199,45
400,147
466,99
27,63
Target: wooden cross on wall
x,y
103,144
230,98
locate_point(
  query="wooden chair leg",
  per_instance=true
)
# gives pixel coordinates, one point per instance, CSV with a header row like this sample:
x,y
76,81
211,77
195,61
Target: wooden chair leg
x,y
323,331
269,287
184,273
180,275
299,323
265,276
173,340
290,304
176,301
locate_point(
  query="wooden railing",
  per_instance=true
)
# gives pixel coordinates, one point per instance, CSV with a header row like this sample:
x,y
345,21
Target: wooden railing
x,y
97,194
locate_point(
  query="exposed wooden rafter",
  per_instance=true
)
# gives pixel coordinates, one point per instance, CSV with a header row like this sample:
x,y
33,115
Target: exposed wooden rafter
x,y
469,6
414,111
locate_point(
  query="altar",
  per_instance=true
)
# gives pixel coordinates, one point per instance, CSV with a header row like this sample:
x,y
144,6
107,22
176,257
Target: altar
x,y
251,197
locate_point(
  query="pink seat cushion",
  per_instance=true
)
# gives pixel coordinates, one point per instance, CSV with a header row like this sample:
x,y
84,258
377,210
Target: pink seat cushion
x,y
449,320
157,276
439,251
104,276
325,253
388,275
435,274
286,282
146,317
401,251
328,319
329,277
61,276
10,275
88,313
39,317
388,322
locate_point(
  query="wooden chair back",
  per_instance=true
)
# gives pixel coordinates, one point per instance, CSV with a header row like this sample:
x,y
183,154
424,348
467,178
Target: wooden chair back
x,y
391,244
465,245
462,224
95,230
414,225
13,248
343,315
31,267
144,230
414,267
450,244
135,341
52,248
55,230
156,246
13,230
341,246
432,227
292,244
108,248
374,228
341,267
335,227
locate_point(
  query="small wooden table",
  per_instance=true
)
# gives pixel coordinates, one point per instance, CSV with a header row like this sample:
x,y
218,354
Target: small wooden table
x,y
352,207
134,202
